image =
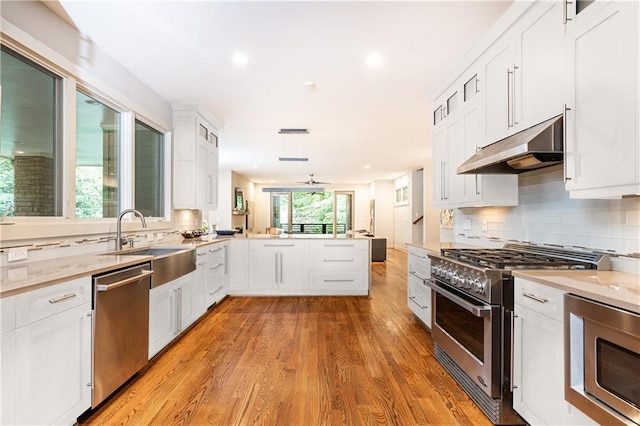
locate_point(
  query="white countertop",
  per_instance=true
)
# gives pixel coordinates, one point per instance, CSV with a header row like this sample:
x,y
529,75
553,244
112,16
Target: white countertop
x,y
615,288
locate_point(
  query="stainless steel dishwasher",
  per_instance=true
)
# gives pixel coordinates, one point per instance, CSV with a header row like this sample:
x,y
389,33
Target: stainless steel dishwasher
x,y
120,327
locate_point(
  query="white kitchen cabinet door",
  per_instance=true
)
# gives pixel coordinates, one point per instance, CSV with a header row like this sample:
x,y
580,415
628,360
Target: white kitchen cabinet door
x,y
53,368
602,142
195,161
8,378
199,282
279,266
186,290
215,283
162,317
538,375
440,157
499,64
294,270
238,265
539,76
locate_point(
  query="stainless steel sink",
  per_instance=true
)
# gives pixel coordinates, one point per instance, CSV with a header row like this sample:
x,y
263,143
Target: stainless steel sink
x,y
168,263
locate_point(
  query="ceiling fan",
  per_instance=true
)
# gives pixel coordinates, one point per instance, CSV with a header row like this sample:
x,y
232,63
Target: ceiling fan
x,y
312,181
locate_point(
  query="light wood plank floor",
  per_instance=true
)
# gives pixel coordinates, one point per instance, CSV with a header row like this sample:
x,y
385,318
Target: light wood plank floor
x,y
300,361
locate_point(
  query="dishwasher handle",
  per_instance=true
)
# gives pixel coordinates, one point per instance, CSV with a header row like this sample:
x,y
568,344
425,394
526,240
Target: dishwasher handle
x,y
117,284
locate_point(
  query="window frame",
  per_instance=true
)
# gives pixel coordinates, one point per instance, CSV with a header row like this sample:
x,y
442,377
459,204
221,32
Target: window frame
x,y
74,78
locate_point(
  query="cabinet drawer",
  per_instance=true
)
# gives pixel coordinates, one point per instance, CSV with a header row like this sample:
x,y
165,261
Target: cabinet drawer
x,y
42,303
340,259
339,280
216,254
419,263
419,300
7,314
539,298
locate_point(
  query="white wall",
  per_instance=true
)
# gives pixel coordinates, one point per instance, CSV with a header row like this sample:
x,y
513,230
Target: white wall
x,y
384,210
546,214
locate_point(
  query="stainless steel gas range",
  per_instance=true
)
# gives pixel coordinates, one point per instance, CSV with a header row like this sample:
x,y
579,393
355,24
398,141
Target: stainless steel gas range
x,y
472,319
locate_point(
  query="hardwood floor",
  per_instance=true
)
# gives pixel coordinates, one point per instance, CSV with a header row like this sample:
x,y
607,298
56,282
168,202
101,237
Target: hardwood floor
x,y
300,361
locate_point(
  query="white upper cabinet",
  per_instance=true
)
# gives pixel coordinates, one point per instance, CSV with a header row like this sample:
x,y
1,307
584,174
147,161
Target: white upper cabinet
x,y
195,161
602,90
499,94
524,71
456,138
539,69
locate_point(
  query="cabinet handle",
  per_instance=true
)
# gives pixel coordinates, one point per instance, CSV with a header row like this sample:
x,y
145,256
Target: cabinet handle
x,y
513,97
446,183
281,274
338,245
276,270
278,245
413,299
201,254
508,99
339,281
565,109
216,249
536,298
513,324
179,310
338,260
61,298
565,16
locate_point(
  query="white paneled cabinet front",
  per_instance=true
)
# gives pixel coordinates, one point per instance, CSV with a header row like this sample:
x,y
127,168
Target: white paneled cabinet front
x,y
51,383
279,266
195,162
217,273
339,267
418,294
171,310
538,358
602,150
539,67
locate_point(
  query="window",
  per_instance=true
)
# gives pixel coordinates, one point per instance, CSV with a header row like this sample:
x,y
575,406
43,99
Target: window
x,y
98,137
149,171
30,153
402,195
312,212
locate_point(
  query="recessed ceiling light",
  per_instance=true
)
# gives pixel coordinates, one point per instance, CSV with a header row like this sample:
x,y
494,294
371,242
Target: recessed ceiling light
x,y
367,166
374,59
255,166
311,86
240,59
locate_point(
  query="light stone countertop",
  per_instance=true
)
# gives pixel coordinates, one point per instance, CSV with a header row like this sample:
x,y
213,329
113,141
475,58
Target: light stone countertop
x,y
20,277
435,247
615,288
28,276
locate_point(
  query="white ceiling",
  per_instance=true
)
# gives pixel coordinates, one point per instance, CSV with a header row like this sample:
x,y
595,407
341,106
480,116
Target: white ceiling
x,y
357,116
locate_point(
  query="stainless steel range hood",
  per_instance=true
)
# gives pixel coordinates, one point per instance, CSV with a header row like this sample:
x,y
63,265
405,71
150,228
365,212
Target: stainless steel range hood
x,y
533,148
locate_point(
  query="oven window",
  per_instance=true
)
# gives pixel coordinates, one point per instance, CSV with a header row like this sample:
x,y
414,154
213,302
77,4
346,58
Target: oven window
x,y
462,325
618,371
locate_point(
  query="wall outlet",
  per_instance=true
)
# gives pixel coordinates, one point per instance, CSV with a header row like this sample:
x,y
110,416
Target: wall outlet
x,y
484,226
17,254
150,237
466,224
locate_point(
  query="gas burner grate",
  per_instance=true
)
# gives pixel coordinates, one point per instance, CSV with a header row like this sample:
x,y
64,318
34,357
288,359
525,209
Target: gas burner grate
x,y
515,256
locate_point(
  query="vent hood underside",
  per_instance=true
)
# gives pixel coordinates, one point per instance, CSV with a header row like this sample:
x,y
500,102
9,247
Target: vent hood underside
x,y
533,148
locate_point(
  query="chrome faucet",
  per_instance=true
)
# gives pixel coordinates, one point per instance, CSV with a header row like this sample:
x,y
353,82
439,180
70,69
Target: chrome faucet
x,y
119,239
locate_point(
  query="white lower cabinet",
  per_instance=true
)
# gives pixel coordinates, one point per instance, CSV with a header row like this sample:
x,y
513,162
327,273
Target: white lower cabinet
x,y
46,360
217,273
306,266
418,294
238,265
339,267
7,361
277,267
538,358
171,310
199,282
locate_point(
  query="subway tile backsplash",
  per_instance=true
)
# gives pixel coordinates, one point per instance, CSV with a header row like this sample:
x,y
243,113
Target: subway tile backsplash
x,y
546,215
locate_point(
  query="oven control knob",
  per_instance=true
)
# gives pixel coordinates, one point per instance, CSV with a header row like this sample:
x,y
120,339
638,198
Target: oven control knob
x,y
468,283
434,270
478,286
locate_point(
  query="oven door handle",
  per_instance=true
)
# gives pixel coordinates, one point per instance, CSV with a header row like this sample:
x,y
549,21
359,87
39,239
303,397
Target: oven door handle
x,y
479,311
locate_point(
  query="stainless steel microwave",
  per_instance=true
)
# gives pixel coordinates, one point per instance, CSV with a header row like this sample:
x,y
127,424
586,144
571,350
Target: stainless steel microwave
x,y
602,360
